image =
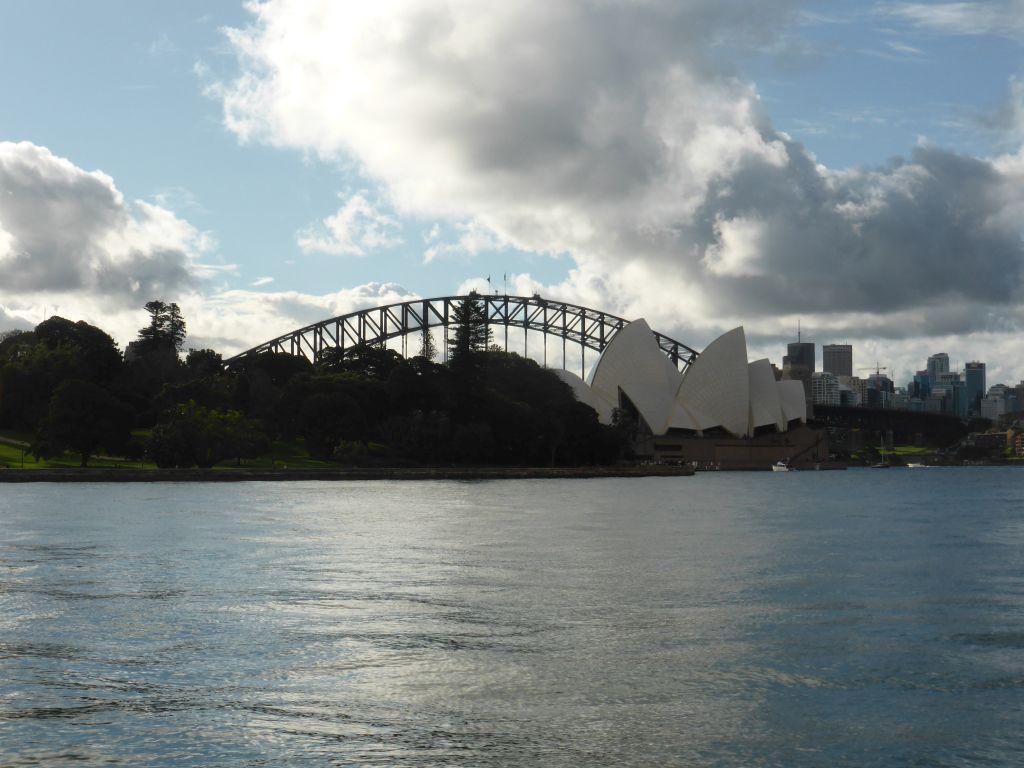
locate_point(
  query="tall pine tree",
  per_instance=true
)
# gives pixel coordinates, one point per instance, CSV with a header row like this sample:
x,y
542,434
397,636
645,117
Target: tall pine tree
x,y
472,334
166,327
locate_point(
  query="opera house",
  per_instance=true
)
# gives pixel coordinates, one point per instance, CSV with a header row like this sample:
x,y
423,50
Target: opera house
x,y
723,410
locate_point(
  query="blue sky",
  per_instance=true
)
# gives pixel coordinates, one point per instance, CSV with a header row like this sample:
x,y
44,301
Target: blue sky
x,y
443,168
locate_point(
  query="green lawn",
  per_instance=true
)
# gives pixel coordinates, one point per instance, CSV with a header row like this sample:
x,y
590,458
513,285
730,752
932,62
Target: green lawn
x,y
290,454
911,450
14,457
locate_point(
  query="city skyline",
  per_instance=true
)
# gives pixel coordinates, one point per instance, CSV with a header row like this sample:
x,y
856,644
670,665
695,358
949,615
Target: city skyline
x,y
270,165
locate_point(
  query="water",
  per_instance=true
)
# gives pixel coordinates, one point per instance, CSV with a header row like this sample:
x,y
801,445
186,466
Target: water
x,y
807,619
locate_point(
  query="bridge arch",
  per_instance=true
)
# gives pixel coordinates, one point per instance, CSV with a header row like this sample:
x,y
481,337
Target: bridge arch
x,y
589,328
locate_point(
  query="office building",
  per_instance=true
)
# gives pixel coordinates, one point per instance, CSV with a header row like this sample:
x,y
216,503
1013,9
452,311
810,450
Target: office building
x,y
798,364
824,388
937,364
837,359
974,380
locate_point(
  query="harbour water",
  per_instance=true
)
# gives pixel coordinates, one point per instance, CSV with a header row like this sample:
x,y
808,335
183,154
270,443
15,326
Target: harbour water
x,y
851,618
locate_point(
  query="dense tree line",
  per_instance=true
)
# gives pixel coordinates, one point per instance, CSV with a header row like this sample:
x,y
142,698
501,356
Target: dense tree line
x,y
68,386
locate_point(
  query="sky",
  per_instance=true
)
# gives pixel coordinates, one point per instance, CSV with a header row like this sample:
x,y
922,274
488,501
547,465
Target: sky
x,y
855,167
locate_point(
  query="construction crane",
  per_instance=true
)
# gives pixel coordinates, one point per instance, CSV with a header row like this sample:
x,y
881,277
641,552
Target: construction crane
x,y
877,368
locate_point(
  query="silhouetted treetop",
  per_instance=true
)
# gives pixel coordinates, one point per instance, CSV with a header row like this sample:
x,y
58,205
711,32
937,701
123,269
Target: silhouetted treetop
x,y
166,326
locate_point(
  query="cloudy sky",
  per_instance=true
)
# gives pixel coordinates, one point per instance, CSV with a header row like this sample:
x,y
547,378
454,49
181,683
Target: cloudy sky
x,y
855,166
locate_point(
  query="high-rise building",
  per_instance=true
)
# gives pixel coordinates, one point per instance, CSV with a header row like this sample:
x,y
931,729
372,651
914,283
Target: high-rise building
x,y
921,386
938,363
974,378
798,364
879,391
951,383
800,353
837,359
824,388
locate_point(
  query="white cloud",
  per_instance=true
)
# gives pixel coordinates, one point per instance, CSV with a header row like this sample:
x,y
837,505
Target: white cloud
x,y
998,18
228,321
473,239
162,46
359,227
261,281
69,230
236,320
613,132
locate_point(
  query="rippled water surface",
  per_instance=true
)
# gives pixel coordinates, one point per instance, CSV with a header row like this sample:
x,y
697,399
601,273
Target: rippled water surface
x,y
806,619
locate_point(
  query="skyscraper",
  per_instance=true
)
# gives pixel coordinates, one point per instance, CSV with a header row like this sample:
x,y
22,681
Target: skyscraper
x,y
837,359
937,364
974,376
799,364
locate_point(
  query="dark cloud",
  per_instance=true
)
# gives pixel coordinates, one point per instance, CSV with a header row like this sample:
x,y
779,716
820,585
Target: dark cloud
x,y
923,231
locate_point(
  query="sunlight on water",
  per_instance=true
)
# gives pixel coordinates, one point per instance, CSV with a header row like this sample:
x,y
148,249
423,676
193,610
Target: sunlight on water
x,y
833,618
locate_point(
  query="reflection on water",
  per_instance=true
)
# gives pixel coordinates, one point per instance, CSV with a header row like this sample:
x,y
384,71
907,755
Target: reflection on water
x,y
725,619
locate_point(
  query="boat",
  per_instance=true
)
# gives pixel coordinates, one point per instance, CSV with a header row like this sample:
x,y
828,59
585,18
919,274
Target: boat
x,y
782,466
916,465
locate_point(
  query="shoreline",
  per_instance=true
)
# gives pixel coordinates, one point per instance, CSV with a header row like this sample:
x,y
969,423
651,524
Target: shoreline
x,y
127,475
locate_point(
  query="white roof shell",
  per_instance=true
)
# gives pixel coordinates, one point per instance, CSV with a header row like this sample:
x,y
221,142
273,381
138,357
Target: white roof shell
x,y
586,395
634,363
794,401
765,405
715,390
719,389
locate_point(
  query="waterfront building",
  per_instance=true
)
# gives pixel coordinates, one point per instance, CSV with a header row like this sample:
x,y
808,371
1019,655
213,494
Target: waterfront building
x,y
837,359
720,392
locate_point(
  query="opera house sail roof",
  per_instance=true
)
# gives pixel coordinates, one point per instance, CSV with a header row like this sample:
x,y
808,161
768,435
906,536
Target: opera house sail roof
x,y
719,390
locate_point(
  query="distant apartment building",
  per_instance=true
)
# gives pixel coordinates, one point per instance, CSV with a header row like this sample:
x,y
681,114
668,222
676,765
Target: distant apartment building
x,y
824,388
837,359
999,401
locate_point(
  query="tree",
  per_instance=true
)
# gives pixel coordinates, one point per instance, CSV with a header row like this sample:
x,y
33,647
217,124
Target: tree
x,y
34,363
428,348
203,362
166,327
370,360
190,434
97,356
472,333
82,417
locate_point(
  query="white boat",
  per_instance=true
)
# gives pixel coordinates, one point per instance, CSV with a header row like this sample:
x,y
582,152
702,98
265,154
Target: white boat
x,y
916,465
781,466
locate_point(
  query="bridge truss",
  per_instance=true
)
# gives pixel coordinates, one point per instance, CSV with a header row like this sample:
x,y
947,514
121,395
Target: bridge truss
x,y
572,324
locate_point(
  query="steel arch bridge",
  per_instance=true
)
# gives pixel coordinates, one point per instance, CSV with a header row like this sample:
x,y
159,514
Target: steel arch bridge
x,y
590,328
